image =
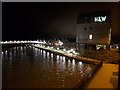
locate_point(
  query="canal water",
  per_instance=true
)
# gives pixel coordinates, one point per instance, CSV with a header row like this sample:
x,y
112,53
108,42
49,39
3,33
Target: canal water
x,y
28,67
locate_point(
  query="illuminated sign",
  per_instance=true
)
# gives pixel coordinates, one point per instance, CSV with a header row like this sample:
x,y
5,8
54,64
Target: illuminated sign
x,y
100,19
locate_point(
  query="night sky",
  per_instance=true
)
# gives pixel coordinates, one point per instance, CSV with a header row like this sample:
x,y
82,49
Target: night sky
x,y
40,20
37,20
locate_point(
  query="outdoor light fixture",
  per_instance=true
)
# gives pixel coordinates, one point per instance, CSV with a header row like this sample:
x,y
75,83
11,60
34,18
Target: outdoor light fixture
x,y
64,49
57,48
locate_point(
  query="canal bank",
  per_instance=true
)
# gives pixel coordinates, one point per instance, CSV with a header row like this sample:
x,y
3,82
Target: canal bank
x,y
70,55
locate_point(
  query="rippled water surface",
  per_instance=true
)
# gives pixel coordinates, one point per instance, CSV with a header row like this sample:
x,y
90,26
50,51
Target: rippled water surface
x,y
29,67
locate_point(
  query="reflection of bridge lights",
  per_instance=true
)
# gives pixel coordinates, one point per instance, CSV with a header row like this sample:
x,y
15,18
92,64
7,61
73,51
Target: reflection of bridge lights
x,y
35,49
63,57
60,57
63,61
80,63
6,51
51,54
89,69
57,57
48,54
73,61
41,51
68,61
117,47
21,48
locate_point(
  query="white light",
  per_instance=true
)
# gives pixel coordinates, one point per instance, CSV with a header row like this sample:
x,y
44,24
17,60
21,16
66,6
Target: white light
x,y
73,61
44,52
71,50
51,47
60,43
90,36
63,61
51,54
103,18
41,51
60,57
80,63
63,57
68,61
64,49
21,48
44,41
100,19
74,52
48,54
57,57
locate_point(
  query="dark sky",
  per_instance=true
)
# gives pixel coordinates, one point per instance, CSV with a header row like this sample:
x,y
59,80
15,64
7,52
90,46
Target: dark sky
x,y
43,20
37,20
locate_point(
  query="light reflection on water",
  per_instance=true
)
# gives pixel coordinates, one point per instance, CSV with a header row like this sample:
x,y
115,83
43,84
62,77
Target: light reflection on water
x,y
32,67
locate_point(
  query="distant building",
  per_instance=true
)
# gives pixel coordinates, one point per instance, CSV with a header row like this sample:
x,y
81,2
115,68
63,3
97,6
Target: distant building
x,y
93,29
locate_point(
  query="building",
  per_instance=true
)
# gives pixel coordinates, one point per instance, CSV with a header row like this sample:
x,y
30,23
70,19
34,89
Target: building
x,y
93,30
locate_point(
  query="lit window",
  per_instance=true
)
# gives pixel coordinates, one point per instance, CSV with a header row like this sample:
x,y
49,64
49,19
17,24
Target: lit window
x,y
90,36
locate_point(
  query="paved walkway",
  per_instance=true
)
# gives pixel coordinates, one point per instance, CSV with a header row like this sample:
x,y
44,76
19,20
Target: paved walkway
x,y
103,76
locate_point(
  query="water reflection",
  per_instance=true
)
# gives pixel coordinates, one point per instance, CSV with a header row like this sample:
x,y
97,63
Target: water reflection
x,y
31,67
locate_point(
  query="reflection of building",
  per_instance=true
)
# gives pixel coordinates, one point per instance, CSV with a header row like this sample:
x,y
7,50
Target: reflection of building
x,y
93,29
